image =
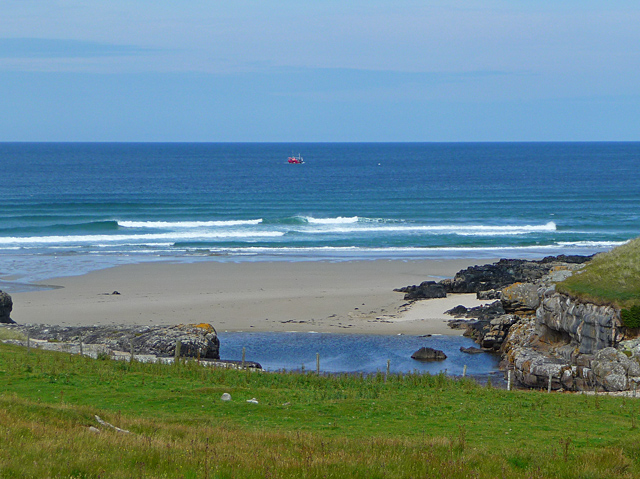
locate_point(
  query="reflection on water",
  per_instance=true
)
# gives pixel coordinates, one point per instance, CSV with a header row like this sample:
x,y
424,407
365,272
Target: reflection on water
x,y
354,352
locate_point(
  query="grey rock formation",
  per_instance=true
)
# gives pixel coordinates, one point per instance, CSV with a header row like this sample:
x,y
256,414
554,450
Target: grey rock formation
x,y
429,354
587,327
6,306
199,340
615,370
520,298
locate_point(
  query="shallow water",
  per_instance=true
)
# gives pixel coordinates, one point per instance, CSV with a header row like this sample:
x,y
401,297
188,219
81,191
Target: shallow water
x,y
354,353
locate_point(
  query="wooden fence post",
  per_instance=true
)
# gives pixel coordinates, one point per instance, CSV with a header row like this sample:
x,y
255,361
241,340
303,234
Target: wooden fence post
x,y
178,346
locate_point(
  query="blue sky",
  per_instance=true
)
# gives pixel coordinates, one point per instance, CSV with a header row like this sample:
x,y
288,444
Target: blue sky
x,y
325,70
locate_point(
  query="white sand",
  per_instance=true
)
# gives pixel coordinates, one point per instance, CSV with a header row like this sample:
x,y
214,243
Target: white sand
x,y
348,297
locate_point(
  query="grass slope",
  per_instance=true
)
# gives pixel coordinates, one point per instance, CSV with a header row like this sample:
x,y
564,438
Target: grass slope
x,y
611,278
304,425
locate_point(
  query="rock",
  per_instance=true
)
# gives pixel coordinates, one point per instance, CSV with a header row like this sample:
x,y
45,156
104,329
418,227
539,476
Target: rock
x,y
489,294
197,340
613,369
457,324
486,312
425,290
505,272
471,350
588,327
458,312
252,401
429,354
520,298
6,305
533,368
226,397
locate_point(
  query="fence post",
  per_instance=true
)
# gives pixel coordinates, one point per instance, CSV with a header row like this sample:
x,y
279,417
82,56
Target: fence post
x,y
464,371
549,388
178,346
509,380
244,352
318,363
28,342
131,348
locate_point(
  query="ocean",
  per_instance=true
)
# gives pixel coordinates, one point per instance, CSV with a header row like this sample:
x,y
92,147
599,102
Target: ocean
x,y
69,208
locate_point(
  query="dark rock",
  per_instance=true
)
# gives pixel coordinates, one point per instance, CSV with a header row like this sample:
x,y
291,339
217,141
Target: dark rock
x,y
489,294
458,312
505,272
6,306
425,290
429,354
471,350
486,312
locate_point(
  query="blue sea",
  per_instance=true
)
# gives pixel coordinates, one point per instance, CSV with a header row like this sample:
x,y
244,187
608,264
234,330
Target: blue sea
x,y
70,208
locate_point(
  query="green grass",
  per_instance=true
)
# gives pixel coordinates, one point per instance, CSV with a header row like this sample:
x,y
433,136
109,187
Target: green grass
x,y
6,333
304,425
611,278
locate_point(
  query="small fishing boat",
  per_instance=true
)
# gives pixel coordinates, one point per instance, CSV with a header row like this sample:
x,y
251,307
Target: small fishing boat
x,y
296,160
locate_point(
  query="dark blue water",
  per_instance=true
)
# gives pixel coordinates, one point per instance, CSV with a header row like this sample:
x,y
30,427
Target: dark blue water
x,y
69,208
354,352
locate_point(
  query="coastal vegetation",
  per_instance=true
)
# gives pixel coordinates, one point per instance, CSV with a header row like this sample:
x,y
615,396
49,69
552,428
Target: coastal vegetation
x,y
611,278
301,425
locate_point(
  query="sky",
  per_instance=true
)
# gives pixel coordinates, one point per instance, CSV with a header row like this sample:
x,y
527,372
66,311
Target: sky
x,y
319,71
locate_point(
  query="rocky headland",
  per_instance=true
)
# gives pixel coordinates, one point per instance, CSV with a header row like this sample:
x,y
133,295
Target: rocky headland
x,y
543,336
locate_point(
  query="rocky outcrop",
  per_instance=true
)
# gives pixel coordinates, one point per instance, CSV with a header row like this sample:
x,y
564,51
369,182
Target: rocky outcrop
x,y
429,354
505,272
196,340
551,340
577,346
425,290
6,306
587,327
488,280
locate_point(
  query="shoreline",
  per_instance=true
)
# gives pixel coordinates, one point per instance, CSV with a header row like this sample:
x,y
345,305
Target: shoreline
x,y
336,297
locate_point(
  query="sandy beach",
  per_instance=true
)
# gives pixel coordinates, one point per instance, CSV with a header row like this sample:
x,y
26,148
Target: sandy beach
x,y
340,297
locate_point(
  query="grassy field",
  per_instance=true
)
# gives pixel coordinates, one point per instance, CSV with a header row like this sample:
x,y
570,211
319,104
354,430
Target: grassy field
x,y
611,278
302,426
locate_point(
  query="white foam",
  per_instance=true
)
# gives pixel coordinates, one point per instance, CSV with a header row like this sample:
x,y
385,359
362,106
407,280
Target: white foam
x,y
330,221
460,230
132,239
186,224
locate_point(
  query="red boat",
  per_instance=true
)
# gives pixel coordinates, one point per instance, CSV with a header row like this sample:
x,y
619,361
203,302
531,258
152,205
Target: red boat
x,y
296,160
